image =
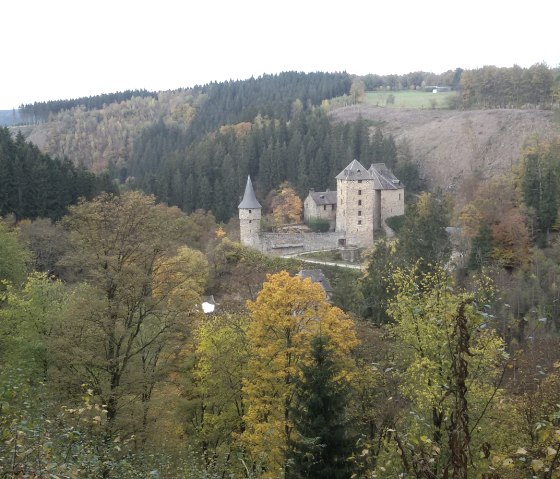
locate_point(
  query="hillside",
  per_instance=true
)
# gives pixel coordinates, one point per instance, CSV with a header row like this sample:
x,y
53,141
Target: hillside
x,y
447,144
451,145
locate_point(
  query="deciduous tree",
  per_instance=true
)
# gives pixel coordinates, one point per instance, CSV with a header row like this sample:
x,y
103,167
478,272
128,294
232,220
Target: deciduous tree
x,y
286,205
286,315
14,257
120,326
450,364
213,405
381,261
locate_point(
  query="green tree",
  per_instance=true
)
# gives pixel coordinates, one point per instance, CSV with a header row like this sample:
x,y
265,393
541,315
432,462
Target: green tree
x,y
324,445
213,404
481,248
381,262
450,359
540,182
423,237
48,242
27,321
14,257
121,326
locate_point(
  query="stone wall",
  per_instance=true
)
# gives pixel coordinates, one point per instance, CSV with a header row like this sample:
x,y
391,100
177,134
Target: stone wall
x,y
355,211
392,203
289,243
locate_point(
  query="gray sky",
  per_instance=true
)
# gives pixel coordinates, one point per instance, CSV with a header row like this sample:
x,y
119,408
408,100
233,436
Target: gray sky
x,y
56,49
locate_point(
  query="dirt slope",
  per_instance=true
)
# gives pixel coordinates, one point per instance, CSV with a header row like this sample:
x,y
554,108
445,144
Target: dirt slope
x,y
450,145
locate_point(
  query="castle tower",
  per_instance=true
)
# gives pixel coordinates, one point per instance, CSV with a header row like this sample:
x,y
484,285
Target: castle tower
x,y
388,193
355,205
250,217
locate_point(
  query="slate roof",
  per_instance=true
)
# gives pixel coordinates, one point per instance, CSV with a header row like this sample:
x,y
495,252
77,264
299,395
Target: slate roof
x,y
383,178
354,171
249,199
317,276
323,197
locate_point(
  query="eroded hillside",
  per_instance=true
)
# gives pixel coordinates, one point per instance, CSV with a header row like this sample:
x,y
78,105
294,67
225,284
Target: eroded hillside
x,y
450,145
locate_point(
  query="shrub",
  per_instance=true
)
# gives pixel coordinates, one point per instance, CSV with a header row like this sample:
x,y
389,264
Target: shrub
x,y
395,223
318,225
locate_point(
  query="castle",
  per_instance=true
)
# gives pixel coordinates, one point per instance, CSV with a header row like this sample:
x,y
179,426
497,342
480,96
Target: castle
x,y
357,211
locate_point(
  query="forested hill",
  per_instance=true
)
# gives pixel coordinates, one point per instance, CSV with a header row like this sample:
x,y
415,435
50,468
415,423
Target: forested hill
x,y
194,147
269,95
309,151
103,138
39,112
35,185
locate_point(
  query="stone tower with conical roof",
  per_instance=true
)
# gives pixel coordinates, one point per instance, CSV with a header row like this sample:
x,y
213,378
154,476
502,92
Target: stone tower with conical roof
x,y
250,217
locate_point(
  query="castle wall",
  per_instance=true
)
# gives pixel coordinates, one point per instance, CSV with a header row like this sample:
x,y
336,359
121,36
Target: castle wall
x,y
376,209
288,243
392,203
355,211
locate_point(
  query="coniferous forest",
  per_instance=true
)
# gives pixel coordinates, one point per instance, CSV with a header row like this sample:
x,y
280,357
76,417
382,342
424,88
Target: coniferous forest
x,y
36,185
438,358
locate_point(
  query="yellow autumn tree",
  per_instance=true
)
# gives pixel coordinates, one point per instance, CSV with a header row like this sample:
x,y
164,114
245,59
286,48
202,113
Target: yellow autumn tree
x,y
285,317
286,205
180,279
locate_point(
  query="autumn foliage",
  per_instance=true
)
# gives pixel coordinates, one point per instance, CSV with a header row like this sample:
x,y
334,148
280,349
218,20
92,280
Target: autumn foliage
x,y
286,205
288,313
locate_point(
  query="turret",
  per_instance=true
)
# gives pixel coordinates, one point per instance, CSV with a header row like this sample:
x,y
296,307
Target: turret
x,y
250,217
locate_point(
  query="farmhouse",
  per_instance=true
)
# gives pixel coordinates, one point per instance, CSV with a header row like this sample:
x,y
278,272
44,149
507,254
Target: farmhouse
x,y
320,205
364,199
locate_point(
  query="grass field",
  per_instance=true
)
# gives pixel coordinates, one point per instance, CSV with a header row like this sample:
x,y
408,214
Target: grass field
x,y
410,99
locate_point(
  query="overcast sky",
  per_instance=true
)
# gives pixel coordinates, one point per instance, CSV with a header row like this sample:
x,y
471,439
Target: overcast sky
x,y
56,49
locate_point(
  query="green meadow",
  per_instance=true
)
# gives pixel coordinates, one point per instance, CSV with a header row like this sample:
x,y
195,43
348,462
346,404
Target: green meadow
x,y
409,99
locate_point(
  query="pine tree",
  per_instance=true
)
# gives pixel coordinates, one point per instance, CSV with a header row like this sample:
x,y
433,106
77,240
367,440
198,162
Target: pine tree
x,y
423,237
540,182
481,248
324,445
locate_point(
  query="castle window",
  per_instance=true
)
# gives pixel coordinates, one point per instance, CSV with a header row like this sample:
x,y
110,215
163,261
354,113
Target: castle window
x,y
250,221
399,196
359,181
359,202
359,212
324,207
333,207
249,211
359,192
359,222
